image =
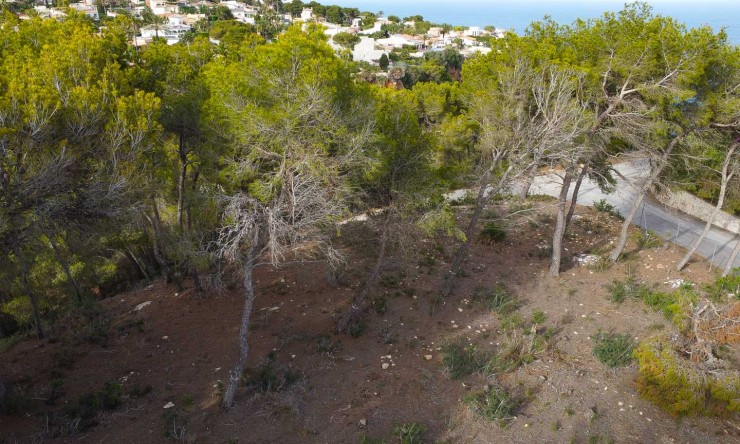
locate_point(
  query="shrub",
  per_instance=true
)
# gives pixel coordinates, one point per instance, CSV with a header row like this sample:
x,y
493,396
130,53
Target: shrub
x,y
494,404
602,206
497,299
614,350
648,239
723,286
462,359
517,349
272,377
492,233
20,309
409,433
629,288
672,382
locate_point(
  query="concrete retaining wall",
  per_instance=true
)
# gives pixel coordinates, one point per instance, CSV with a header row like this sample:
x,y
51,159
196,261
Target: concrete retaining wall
x,y
693,206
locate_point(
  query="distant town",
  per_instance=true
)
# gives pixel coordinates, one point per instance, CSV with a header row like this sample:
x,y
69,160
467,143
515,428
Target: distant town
x,y
366,36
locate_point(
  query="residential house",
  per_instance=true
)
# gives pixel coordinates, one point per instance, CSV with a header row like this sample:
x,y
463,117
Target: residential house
x,y
307,15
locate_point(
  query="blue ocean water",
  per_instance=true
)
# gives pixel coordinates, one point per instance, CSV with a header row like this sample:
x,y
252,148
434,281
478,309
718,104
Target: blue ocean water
x,y
517,15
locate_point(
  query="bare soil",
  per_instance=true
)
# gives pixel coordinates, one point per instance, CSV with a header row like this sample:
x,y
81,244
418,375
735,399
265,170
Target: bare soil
x,y
327,388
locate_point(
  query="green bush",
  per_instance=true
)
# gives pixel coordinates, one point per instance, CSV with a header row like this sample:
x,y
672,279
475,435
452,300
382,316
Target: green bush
x,y
648,239
723,286
497,299
462,359
614,350
493,404
492,233
20,309
603,206
667,379
409,433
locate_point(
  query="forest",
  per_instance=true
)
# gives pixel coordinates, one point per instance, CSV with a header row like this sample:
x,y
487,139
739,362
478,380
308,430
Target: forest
x,y
202,163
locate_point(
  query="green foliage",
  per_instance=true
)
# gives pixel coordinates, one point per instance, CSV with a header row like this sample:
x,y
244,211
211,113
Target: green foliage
x,y
20,309
493,404
724,286
462,359
603,206
346,40
271,377
672,382
492,233
409,433
674,305
613,349
648,239
497,299
383,62
629,288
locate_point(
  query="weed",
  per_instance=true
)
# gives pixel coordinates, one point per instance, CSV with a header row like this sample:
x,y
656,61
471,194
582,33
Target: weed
x,y
409,433
497,299
174,425
380,305
494,404
539,317
630,288
544,252
556,426
517,349
602,206
138,391
511,321
357,329
364,439
324,344
462,359
569,411
601,265
723,287
648,239
272,377
614,350
435,302
188,402
492,233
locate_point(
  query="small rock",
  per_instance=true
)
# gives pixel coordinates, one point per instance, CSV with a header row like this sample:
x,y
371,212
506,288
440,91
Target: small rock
x,y
142,305
169,405
385,366
428,357
363,422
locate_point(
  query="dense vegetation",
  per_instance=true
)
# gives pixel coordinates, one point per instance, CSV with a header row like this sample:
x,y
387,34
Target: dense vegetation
x,y
202,162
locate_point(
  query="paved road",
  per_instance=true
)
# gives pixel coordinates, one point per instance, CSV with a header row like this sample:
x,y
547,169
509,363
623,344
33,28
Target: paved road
x,y
672,225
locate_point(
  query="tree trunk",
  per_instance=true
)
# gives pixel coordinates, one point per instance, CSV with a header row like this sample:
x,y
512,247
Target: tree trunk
x,y
159,255
622,242
731,259
183,155
528,179
65,267
557,237
456,267
574,199
236,374
726,176
359,303
29,292
137,265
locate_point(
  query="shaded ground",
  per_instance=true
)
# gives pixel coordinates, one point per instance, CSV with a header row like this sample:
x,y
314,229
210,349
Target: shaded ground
x,y
326,388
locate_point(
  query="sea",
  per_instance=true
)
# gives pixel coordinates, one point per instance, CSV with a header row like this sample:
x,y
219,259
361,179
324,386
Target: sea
x,y
516,15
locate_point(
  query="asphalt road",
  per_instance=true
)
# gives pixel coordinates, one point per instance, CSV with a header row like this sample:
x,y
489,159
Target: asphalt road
x,y
670,224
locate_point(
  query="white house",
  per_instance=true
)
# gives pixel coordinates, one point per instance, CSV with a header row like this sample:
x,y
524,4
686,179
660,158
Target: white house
x,y
170,32
307,14
241,11
473,31
365,51
87,9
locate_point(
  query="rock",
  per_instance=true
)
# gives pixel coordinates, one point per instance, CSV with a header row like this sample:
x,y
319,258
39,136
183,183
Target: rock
x,y
169,405
428,357
142,305
363,422
385,366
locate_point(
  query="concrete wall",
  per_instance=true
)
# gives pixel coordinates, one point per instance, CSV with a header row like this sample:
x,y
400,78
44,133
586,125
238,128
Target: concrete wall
x,y
693,206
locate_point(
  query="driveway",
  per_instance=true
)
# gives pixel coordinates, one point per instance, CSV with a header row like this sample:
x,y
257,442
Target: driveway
x,y
670,224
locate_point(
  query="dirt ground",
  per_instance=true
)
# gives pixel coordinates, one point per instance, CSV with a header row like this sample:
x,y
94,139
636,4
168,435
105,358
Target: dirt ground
x,y
327,388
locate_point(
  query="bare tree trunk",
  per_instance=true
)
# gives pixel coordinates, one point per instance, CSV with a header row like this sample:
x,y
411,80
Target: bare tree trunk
x,y
527,184
236,374
65,267
183,155
31,295
456,267
726,177
622,242
360,300
557,237
137,265
159,255
731,259
574,199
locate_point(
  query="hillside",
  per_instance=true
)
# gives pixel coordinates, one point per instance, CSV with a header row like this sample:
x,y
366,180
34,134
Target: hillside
x,y
155,347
